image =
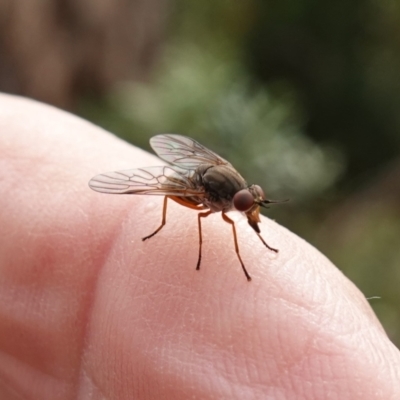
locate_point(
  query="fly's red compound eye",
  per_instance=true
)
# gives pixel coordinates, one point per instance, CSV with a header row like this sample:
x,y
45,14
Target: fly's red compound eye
x,y
259,191
243,200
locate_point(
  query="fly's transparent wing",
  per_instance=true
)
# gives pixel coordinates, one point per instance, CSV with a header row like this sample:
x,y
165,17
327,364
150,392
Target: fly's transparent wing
x,y
164,180
184,152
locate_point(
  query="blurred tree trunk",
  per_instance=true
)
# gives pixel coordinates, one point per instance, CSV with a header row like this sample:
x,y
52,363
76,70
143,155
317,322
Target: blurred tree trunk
x,y
57,50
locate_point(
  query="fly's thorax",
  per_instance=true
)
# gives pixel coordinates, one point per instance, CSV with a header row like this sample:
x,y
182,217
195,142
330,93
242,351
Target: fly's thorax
x,y
220,183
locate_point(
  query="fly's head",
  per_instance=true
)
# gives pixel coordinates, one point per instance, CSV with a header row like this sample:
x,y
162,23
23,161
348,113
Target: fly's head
x,y
249,201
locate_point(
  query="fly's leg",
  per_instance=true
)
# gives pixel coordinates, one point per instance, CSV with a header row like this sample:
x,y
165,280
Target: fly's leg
x,y
229,221
256,229
271,248
201,215
179,200
163,221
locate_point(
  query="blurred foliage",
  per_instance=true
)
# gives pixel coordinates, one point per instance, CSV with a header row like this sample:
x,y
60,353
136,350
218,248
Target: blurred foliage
x,y
210,99
343,58
296,95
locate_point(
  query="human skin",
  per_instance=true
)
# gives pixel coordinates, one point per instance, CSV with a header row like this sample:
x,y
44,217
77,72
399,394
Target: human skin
x,y
89,311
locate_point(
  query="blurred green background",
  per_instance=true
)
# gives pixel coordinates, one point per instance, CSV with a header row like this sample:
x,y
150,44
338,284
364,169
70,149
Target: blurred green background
x,y
302,97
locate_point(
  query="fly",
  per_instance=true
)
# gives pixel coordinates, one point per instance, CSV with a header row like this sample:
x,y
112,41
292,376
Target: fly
x,y
196,178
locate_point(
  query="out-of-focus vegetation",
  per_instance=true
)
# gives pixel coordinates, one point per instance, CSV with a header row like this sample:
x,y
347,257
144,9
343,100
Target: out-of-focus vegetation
x,y
302,97
198,94
343,59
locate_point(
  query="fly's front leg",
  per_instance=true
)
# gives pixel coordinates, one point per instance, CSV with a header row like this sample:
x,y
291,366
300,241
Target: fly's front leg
x,y
229,221
271,248
163,221
256,229
201,215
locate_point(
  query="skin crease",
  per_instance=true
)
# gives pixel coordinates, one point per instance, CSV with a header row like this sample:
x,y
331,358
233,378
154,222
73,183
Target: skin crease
x,y
89,311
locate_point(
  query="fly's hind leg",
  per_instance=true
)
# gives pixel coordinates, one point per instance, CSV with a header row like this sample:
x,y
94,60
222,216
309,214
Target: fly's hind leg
x,y
180,201
163,221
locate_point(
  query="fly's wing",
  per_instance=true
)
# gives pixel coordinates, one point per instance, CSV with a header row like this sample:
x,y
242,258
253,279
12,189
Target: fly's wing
x,y
184,152
165,181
